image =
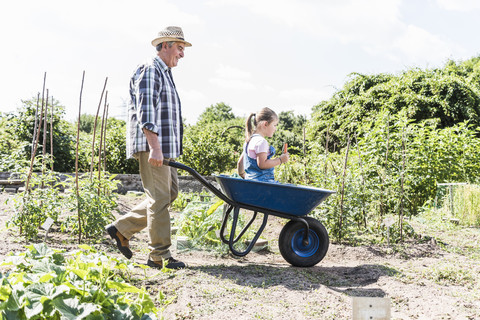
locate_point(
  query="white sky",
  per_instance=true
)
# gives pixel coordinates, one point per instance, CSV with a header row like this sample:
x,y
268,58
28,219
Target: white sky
x,y
285,54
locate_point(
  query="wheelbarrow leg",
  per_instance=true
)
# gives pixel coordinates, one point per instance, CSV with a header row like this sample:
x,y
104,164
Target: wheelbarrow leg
x,y
232,240
224,224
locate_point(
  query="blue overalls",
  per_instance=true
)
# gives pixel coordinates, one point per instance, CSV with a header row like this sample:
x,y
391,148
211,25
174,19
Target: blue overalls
x,y
253,172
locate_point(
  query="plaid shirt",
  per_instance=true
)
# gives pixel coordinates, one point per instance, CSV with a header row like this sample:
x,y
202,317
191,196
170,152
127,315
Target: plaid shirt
x,y
155,106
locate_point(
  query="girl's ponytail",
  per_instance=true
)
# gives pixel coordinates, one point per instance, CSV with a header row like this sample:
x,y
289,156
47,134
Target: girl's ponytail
x,y
249,126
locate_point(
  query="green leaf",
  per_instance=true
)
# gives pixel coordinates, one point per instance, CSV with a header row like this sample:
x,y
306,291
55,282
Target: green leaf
x,y
80,273
123,287
16,300
5,291
71,309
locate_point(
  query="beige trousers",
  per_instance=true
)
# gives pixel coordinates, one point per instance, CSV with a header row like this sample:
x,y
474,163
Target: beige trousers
x,y
161,188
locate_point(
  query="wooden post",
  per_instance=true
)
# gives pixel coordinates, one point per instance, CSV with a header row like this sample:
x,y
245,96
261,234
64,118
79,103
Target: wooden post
x,y
79,215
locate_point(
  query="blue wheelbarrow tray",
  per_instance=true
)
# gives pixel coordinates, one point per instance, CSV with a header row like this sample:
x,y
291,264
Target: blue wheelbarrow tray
x,y
287,199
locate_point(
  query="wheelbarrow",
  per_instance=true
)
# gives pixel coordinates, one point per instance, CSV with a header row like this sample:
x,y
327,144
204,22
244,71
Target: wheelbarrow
x,y
303,241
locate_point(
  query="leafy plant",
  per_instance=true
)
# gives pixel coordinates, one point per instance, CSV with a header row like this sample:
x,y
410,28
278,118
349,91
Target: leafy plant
x,y
43,283
95,203
32,208
201,222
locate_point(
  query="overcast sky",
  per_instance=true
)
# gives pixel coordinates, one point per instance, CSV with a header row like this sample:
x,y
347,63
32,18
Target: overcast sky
x,y
285,54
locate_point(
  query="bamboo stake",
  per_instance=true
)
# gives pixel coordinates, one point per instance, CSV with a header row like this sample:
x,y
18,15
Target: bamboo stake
x,y
327,137
382,178
364,215
37,135
79,215
34,152
95,128
304,156
27,183
343,190
105,142
44,149
35,124
402,193
51,136
100,145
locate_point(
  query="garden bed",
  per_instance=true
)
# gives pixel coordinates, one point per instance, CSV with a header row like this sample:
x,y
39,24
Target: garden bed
x,y
435,277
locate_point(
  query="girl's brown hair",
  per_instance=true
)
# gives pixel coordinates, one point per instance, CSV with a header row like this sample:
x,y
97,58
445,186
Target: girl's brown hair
x,y
265,114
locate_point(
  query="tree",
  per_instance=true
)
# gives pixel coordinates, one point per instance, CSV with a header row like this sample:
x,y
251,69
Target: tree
x,y
216,113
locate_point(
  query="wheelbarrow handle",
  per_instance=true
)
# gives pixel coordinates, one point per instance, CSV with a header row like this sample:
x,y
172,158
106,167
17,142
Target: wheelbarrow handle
x,y
199,177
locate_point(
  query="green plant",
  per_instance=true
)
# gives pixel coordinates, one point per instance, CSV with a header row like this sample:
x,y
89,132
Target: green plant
x,y
34,206
466,204
201,223
94,203
43,283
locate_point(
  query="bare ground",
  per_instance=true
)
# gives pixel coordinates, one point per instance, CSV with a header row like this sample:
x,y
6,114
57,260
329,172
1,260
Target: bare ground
x,y
421,280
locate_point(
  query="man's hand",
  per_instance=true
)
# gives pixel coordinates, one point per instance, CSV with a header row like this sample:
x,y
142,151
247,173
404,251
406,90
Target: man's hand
x,y
156,157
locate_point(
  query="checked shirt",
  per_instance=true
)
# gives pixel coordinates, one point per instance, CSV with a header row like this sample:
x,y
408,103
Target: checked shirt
x,y
155,106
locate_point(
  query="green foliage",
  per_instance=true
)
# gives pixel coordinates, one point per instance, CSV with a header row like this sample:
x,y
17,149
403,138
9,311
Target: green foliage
x,y
93,204
461,202
211,148
20,126
46,284
34,207
199,221
116,149
450,95
393,169
216,113
87,123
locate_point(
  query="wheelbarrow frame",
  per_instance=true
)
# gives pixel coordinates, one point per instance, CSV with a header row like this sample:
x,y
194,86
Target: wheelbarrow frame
x,y
235,206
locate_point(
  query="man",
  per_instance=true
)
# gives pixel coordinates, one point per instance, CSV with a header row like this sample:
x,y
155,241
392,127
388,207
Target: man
x,y
155,133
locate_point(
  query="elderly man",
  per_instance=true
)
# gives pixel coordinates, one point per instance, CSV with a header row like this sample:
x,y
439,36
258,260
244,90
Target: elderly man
x,y
155,133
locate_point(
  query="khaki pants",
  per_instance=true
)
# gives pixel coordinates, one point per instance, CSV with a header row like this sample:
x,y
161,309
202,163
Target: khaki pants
x,y
161,188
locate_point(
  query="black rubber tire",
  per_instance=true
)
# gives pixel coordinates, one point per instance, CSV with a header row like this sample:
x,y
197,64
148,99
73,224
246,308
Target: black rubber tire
x,y
294,251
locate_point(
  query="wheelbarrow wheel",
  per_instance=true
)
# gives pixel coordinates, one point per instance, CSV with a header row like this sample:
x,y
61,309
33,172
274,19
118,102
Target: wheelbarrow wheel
x,y
298,252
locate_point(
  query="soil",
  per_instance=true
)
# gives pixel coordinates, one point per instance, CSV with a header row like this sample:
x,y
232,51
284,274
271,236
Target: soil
x,y
262,285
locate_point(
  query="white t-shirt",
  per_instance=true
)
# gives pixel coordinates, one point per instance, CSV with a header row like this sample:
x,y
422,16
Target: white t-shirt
x,y
257,144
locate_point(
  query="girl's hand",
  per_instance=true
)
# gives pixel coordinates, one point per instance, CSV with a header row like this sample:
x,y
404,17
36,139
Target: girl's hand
x,y
284,157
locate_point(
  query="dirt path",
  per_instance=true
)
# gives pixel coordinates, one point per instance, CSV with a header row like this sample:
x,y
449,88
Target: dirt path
x,y
416,279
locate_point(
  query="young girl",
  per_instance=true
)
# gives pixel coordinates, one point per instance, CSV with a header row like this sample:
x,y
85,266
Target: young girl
x,y
256,161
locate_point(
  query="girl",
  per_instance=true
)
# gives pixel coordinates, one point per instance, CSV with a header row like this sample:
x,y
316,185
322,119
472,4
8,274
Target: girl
x,y
256,161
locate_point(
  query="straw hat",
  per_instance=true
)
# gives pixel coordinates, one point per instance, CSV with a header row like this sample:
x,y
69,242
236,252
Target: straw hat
x,y
170,34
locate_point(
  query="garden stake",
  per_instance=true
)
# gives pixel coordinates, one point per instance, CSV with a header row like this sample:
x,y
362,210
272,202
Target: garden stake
x,y
402,193
51,137
364,216
34,152
95,127
326,151
36,124
76,162
342,193
100,145
105,144
44,150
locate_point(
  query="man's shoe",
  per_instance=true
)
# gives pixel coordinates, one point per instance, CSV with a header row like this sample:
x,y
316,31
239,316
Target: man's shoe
x,y
122,242
172,263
